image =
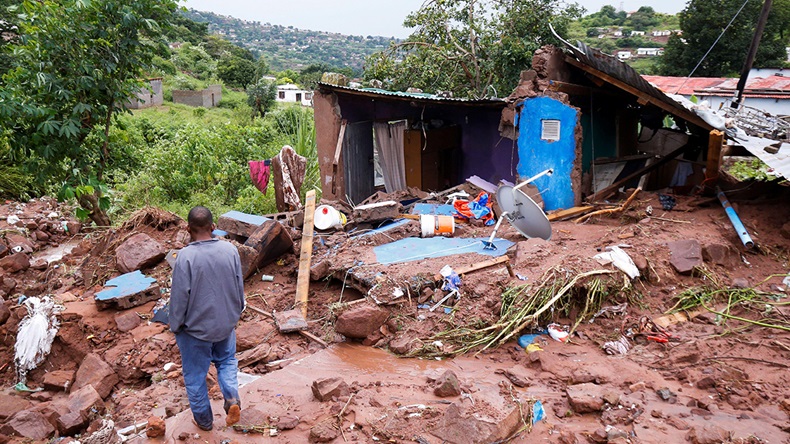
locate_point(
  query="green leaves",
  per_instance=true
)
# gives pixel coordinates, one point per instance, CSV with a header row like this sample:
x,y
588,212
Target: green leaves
x,y
470,47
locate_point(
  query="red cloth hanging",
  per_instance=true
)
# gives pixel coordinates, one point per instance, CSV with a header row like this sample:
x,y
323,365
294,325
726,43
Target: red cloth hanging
x,y
259,173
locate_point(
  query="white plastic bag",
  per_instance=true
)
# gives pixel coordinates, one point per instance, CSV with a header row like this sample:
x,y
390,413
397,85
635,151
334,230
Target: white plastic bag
x,y
34,337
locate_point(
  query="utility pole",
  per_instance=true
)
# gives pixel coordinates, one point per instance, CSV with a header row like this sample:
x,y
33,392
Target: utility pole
x,y
747,66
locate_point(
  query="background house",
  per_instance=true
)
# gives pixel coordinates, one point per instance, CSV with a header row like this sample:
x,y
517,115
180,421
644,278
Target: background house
x,y
150,95
290,93
207,98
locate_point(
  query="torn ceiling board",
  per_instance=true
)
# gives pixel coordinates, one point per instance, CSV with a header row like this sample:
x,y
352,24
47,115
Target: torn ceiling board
x,y
381,229
435,209
417,248
128,290
779,161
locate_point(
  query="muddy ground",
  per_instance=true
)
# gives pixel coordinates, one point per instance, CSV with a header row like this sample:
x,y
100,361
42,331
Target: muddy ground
x,y
723,380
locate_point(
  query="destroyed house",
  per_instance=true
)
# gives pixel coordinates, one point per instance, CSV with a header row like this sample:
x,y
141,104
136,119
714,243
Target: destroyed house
x,y
621,129
590,118
412,139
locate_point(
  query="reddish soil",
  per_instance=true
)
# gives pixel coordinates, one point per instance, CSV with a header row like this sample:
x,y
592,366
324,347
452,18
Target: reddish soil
x,y
724,381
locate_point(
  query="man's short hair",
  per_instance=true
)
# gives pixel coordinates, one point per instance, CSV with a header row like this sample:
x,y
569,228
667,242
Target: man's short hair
x,y
200,217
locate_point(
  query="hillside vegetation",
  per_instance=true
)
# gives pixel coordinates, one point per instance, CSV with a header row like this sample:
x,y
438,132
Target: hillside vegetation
x,y
286,47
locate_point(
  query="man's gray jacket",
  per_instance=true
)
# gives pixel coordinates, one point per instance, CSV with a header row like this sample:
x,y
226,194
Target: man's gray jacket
x,y
207,296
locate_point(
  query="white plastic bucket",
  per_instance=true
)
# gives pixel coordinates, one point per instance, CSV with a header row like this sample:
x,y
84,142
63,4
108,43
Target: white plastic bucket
x,y
327,217
437,225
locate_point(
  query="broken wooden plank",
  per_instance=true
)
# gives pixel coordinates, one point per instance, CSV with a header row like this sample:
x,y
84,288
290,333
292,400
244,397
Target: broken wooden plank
x,y
253,355
306,334
475,267
715,142
619,209
303,278
570,212
606,192
336,158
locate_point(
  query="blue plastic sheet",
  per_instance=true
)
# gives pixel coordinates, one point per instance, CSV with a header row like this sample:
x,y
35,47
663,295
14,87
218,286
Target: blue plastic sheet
x,y
418,248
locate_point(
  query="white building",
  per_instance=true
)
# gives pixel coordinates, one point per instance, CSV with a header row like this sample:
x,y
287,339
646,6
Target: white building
x,y
649,52
633,33
623,55
290,93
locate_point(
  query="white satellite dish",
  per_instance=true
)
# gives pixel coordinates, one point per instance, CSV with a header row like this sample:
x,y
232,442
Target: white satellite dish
x,y
522,212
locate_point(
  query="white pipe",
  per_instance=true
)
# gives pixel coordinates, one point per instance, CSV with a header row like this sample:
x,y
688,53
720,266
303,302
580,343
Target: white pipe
x,y
549,171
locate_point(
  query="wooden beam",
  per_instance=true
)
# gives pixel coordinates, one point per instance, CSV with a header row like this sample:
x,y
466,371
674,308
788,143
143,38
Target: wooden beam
x,y
606,192
336,159
478,266
570,212
715,142
641,96
303,279
306,334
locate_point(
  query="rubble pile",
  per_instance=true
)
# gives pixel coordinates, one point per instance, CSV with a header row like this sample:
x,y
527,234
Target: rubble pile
x,y
547,309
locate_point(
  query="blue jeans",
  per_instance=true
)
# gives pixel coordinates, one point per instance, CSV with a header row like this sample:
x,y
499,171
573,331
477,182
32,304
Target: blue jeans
x,y
196,356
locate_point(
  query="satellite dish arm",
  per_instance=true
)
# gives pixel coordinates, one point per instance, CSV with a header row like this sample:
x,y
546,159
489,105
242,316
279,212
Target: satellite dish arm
x,y
534,178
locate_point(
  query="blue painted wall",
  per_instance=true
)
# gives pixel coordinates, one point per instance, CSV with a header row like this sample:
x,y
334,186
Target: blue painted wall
x,y
536,155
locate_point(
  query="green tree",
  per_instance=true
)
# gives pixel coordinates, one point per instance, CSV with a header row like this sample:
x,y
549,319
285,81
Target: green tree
x,y
235,71
8,32
703,20
261,97
643,19
474,48
77,65
194,60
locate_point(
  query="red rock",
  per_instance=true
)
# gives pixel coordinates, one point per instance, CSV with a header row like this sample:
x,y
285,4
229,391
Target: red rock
x,y
41,236
94,371
127,321
71,423
15,262
10,404
328,388
138,252
785,230
73,227
360,321
155,428
3,249
17,240
447,385
710,434
403,344
84,400
585,398
28,424
323,432
685,255
5,313
7,284
287,423
720,254
59,380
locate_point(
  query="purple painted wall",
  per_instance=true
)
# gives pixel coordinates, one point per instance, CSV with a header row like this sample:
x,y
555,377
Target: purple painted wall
x,y
484,152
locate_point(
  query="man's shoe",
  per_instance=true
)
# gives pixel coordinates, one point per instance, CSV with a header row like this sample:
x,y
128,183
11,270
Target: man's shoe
x,y
234,413
207,428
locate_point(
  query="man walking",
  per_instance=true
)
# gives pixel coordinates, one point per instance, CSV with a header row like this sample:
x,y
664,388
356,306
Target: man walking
x,y
206,301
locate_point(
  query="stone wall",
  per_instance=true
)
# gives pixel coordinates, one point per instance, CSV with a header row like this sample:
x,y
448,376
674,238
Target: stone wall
x,y
148,96
207,98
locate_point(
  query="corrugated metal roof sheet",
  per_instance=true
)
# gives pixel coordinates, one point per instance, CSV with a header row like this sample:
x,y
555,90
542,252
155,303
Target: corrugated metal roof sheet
x,y
773,87
372,92
780,162
682,85
612,67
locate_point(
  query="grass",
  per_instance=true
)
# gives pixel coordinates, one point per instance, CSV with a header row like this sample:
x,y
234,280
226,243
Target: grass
x,y
525,307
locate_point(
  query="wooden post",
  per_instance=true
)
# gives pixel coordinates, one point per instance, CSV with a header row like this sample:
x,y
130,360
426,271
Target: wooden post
x,y
303,279
714,154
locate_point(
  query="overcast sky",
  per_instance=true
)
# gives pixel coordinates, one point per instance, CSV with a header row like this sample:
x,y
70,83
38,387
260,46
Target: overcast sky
x,y
370,17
